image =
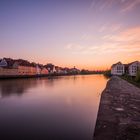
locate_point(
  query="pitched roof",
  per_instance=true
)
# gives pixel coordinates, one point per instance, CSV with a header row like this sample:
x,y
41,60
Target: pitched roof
x,y
25,63
9,61
132,63
116,64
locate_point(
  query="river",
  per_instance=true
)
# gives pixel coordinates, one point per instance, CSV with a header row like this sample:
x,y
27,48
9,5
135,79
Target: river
x,y
60,108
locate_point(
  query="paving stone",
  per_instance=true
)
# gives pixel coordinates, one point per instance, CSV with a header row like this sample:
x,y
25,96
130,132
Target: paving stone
x,y
119,112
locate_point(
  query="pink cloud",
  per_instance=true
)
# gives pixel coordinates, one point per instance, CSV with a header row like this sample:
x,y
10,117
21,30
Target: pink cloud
x,y
129,5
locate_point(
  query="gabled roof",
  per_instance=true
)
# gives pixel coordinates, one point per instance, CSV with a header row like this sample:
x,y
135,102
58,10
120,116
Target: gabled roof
x,y
25,63
119,63
132,63
9,61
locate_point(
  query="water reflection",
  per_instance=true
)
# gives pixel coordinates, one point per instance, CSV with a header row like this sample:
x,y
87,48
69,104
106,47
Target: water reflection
x,y
19,86
60,108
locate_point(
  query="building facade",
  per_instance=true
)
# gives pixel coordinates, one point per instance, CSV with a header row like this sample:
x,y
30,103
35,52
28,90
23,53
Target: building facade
x,y
130,69
8,72
133,68
118,69
11,67
3,63
44,71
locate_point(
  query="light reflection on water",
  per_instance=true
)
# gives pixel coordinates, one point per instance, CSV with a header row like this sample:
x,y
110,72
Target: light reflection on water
x,y
61,108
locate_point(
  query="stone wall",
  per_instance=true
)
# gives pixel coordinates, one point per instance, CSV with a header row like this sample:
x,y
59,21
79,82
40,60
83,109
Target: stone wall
x,y
119,112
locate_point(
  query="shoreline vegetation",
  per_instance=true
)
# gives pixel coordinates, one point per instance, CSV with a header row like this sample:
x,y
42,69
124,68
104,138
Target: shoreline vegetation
x,y
135,80
132,80
47,75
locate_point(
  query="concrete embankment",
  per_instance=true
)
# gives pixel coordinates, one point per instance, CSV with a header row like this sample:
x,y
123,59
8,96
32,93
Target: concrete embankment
x,y
119,112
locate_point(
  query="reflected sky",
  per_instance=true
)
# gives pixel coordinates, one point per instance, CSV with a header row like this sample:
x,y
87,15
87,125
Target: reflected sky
x,y
63,108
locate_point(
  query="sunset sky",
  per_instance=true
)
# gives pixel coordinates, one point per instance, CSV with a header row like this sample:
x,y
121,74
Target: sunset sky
x,y
90,34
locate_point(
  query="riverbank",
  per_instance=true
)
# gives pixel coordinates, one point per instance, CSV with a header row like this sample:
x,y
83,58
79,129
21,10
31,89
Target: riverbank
x,y
21,76
131,80
119,113
39,76
32,76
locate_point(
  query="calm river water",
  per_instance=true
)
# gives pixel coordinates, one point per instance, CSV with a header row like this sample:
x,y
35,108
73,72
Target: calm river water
x,y
62,108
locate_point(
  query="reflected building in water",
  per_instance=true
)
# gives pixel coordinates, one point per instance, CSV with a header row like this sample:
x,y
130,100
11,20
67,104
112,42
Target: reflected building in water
x,y
16,86
20,86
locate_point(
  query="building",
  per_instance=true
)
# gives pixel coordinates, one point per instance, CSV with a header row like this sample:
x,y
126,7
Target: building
x,y
24,67
60,70
3,63
7,63
51,68
44,71
38,69
6,67
74,70
133,67
118,69
65,70
8,71
20,67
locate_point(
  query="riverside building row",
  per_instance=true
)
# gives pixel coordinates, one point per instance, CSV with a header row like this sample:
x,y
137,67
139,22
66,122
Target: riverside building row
x,y
20,67
130,69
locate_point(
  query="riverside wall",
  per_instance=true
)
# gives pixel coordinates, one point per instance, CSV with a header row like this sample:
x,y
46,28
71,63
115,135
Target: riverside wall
x,y
119,112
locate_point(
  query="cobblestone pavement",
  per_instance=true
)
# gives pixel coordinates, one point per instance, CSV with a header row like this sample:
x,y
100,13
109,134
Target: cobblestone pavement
x,y
119,112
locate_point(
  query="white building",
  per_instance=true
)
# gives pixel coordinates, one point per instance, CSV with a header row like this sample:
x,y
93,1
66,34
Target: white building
x,y
133,68
38,70
118,69
51,68
3,63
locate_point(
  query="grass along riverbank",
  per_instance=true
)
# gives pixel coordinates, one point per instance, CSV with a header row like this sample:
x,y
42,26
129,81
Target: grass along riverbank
x,y
131,80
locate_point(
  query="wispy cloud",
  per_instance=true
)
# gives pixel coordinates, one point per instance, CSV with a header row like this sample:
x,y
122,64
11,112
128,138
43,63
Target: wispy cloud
x,y
127,41
127,36
128,5
108,49
110,27
92,5
125,5
106,4
74,46
101,4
